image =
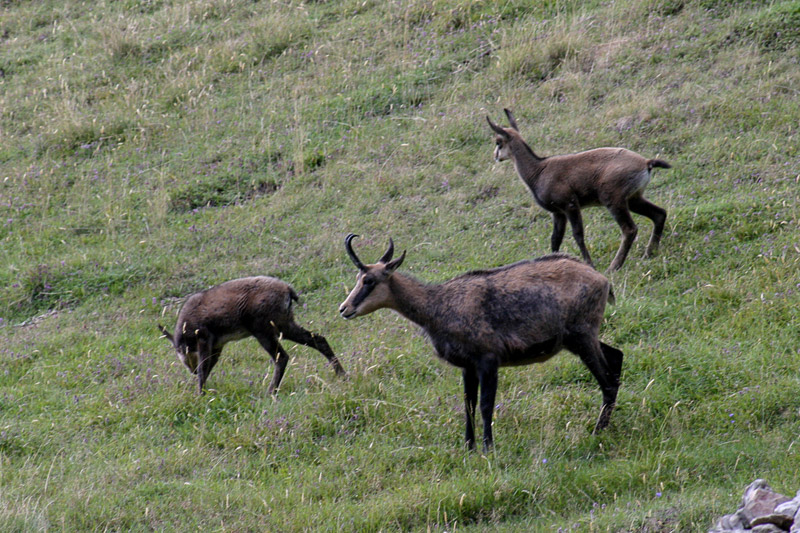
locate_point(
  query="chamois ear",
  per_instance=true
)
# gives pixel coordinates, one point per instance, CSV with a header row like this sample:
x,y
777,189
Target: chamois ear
x,y
511,119
497,129
391,266
166,333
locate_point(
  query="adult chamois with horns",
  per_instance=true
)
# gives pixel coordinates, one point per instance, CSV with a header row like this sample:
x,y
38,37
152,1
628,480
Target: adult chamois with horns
x,y
259,306
613,177
512,315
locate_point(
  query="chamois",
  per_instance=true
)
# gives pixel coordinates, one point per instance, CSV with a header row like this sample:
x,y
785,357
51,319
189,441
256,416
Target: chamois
x,y
562,184
259,306
513,315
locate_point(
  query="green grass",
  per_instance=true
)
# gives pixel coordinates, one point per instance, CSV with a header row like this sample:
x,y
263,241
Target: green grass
x,y
152,149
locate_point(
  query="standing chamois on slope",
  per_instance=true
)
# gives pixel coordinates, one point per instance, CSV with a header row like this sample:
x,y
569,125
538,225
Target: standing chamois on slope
x,y
512,315
562,184
258,306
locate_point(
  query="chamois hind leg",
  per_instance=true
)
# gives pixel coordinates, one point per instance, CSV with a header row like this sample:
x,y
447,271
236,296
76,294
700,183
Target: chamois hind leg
x,y
470,401
629,230
641,206
278,354
589,349
559,227
576,221
298,334
613,360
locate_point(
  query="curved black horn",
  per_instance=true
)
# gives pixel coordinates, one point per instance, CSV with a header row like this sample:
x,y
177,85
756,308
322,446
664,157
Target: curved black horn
x,y
496,128
353,257
389,253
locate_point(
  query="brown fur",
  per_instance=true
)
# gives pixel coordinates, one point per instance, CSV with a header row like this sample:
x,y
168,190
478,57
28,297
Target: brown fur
x,y
513,315
613,177
258,306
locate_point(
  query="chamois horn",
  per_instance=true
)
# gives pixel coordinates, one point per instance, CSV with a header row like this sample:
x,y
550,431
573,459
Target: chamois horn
x,y
353,257
389,253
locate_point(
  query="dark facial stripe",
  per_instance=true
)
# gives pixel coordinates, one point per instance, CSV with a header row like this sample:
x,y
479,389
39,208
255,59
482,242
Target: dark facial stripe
x,y
363,294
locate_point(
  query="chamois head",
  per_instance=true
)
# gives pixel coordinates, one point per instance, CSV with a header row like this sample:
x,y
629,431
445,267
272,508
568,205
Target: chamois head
x,y
185,348
372,289
505,136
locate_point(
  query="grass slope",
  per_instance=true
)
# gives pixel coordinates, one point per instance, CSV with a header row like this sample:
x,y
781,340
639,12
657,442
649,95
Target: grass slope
x,y
154,148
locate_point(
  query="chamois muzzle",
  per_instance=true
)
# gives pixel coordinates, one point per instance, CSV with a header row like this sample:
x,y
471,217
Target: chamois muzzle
x,y
346,314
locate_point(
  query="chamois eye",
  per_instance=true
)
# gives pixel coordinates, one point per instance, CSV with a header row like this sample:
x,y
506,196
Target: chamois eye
x,y
369,282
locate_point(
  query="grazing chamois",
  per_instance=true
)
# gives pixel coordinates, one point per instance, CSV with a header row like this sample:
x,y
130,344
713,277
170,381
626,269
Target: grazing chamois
x,y
258,306
512,315
562,184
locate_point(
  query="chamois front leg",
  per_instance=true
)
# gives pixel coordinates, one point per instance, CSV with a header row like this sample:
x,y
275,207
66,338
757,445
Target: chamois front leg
x,y
216,351
559,227
205,358
487,375
629,231
470,401
576,221
270,343
281,360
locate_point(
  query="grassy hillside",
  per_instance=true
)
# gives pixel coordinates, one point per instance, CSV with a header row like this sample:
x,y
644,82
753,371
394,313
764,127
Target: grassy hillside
x,y
150,149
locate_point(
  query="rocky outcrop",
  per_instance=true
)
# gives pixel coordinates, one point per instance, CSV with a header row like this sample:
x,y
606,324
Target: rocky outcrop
x,y
762,511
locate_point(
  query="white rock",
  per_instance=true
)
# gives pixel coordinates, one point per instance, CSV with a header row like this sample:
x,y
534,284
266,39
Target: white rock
x,y
767,528
752,487
759,504
796,525
789,508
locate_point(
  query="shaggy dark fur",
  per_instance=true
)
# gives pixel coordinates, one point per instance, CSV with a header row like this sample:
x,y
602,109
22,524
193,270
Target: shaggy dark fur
x,y
513,315
258,306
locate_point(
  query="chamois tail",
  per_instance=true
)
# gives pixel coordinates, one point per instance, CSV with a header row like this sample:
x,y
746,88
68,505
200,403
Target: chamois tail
x,y
651,163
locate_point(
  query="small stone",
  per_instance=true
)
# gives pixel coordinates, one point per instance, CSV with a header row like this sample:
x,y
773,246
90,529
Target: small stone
x,y
767,528
729,522
789,508
752,487
734,521
781,520
796,525
743,519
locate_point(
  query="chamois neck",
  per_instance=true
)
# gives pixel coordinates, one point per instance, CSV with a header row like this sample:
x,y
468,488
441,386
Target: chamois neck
x,y
526,161
413,299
